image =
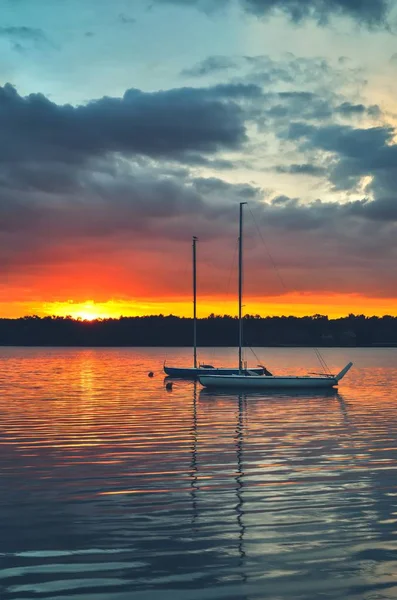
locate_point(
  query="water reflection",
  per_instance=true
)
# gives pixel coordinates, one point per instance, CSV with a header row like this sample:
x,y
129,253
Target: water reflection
x,y
239,477
288,395
193,464
111,487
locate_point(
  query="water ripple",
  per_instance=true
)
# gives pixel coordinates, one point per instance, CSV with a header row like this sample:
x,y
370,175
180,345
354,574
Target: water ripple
x,y
112,487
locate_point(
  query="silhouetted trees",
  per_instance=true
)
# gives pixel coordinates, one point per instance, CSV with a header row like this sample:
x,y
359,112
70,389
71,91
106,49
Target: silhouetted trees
x,y
318,330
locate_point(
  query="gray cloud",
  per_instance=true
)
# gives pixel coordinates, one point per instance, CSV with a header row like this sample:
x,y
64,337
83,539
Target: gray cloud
x,y
305,105
340,139
306,87
126,19
238,191
370,13
302,169
208,6
112,209
23,33
166,123
356,153
347,109
23,37
98,179
209,66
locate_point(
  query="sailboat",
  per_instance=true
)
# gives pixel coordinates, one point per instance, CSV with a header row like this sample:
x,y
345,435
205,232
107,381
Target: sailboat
x,y
202,369
247,379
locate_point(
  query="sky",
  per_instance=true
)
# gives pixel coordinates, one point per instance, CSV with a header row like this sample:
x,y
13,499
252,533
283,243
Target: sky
x,y
128,127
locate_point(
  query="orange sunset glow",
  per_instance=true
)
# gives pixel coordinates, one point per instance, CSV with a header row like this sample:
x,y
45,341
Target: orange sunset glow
x,y
335,306
105,181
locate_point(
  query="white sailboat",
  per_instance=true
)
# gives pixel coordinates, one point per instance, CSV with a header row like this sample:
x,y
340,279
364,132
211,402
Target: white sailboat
x,y
202,369
248,379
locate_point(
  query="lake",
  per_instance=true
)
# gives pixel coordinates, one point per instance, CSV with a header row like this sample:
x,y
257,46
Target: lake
x,y
112,487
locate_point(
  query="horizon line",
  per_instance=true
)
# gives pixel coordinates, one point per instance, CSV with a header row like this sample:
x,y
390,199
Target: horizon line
x,y
211,316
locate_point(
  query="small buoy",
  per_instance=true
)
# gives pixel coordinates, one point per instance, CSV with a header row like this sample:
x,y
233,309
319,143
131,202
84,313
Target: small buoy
x,y
168,386
150,374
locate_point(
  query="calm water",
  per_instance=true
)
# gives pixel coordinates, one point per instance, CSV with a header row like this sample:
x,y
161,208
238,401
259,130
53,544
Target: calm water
x,y
113,488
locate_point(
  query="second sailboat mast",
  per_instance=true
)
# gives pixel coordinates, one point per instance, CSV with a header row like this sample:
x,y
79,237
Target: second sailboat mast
x,y
194,305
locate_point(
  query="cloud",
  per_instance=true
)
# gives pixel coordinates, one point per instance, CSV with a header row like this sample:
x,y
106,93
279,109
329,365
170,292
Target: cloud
x,y
305,105
372,13
237,191
23,33
126,19
369,13
347,109
302,169
22,36
162,124
340,139
135,216
291,77
209,66
355,154
114,185
207,6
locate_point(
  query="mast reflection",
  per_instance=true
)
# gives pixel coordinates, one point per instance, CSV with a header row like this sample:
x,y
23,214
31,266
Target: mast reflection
x,y
239,439
194,485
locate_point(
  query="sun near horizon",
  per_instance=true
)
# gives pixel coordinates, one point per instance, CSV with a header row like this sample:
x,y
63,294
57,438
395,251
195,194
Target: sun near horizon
x,y
298,305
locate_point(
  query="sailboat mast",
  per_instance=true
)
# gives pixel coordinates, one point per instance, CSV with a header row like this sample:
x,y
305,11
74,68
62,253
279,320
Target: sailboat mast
x,y
194,304
240,290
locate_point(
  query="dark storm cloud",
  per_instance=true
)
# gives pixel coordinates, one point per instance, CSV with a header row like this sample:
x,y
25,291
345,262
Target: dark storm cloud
x,y
161,123
370,13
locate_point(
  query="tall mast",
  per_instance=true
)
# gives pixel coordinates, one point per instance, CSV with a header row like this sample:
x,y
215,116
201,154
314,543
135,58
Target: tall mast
x,y
240,290
194,305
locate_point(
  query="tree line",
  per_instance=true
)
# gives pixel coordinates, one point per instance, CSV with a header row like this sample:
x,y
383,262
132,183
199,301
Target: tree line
x,y
317,330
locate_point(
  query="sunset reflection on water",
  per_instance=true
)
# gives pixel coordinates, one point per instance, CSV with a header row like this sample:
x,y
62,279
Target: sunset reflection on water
x,y
111,486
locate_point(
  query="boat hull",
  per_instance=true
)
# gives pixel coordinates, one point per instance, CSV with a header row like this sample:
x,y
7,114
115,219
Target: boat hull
x,y
192,373
265,383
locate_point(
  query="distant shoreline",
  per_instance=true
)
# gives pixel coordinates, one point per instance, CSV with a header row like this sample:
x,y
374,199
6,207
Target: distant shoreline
x,y
372,346
214,331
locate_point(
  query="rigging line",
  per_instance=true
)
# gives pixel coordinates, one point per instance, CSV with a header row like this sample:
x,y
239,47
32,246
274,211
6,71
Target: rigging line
x,y
319,356
268,251
254,353
322,362
328,369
